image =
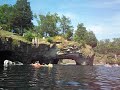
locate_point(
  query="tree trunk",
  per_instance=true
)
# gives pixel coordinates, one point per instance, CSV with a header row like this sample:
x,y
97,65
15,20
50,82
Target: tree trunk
x,y
21,30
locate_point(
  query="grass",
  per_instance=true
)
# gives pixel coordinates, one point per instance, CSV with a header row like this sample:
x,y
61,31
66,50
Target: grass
x,y
4,33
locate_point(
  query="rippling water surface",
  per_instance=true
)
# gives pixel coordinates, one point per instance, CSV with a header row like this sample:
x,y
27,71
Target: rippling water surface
x,y
60,77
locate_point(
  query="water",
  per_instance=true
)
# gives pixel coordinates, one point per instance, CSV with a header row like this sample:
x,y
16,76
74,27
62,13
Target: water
x,y
60,77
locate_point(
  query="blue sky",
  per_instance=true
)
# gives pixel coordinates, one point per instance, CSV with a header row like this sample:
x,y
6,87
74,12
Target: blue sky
x,y
100,16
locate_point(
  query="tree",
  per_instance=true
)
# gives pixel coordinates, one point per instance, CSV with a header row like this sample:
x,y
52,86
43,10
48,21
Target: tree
x,y
52,20
48,24
66,28
83,36
6,14
22,15
69,33
37,28
29,35
80,34
106,46
91,39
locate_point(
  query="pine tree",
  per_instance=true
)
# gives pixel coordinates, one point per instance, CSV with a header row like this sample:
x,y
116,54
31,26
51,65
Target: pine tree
x,y
66,28
22,16
80,34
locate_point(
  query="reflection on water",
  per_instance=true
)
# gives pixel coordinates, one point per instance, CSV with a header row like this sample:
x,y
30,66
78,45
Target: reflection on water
x,y
60,77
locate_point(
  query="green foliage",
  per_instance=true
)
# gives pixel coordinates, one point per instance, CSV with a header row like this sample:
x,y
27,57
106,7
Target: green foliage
x,y
52,25
91,39
80,34
69,34
18,18
22,15
66,28
29,35
38,31
5,26
58,39
6,14
15,37
107,46
48,24
85,37
49,39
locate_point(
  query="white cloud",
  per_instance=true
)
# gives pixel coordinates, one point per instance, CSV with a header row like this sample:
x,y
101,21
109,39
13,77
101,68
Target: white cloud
x,y
97,29
104,3
104,32
70,15
109,27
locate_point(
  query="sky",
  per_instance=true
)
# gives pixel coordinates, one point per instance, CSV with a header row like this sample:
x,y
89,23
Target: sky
x,y
100,16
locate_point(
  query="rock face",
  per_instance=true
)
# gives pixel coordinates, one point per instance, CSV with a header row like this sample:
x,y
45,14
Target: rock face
x,y
44,54
88,54
26,53
83,56
14,50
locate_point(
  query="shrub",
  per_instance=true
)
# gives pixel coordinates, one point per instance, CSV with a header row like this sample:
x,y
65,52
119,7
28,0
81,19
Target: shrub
x,y
49,39
58,39
29,35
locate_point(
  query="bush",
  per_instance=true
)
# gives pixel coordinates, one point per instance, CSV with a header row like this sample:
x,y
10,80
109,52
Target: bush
x,y
29,35
58,39
5,27
50,40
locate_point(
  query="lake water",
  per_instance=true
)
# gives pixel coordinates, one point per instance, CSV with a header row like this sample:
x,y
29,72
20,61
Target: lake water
x,y
60,77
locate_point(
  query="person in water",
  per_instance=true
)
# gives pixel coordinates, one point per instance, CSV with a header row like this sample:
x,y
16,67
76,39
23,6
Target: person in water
x,y
38,65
